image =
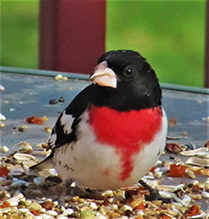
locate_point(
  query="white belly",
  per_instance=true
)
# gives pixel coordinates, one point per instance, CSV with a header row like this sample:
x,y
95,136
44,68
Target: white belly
x,y
92,165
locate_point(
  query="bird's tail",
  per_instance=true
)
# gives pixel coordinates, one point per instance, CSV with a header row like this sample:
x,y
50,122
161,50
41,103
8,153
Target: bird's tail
x,y
47,163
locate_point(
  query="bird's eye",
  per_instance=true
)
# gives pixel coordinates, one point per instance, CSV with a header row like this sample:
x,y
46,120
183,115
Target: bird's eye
x,y
128,72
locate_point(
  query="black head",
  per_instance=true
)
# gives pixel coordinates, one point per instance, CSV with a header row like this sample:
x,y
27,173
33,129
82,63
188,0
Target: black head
x,y
135,83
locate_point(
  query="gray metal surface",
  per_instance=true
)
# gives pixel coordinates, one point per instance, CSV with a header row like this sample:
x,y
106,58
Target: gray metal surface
x,y
29,95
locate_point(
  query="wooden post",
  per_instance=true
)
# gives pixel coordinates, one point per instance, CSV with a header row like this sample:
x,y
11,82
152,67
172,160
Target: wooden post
x,y
72,34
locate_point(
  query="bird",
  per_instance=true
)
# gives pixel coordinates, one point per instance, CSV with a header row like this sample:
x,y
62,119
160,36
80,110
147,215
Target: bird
x,y
114,131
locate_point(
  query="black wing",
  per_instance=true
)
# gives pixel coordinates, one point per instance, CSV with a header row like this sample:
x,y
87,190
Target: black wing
x,y
65,127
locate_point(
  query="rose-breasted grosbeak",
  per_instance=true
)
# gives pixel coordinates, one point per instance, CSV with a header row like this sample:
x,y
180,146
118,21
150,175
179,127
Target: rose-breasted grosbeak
x,y
114,131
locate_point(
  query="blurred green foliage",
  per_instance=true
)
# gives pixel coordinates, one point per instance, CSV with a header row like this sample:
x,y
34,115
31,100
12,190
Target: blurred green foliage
x,y
170,34
19,33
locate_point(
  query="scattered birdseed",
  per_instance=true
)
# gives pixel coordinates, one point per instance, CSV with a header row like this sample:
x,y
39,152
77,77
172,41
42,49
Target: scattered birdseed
x,y
29,195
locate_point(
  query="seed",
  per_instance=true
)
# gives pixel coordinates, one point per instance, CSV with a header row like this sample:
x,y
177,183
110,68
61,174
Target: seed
x,y
196,196
1,125
172,122
52,101
207,144
34,120
45,118
190,174
61,99
2,117
58,77
22,128
205,194
87,214
25,147
2,88
47,129
173,148
4,149
185,133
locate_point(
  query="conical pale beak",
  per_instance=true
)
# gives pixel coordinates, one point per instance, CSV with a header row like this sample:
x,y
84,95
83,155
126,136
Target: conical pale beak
x,y
104,76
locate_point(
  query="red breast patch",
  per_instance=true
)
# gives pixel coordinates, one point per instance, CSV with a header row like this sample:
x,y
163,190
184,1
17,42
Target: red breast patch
x,y
127,132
